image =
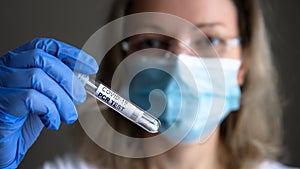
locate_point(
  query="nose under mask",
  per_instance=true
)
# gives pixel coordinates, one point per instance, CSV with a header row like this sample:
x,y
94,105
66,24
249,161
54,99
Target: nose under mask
x,y
190,95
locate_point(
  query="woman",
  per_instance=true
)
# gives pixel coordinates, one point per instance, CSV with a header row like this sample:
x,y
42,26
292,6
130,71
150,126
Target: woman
x,y
234,144
248,137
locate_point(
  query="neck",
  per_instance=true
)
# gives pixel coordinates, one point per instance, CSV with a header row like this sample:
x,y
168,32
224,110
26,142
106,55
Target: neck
x,y
195,156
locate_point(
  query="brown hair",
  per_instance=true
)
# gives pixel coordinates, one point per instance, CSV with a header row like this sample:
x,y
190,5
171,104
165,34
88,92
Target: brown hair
x,y
247,136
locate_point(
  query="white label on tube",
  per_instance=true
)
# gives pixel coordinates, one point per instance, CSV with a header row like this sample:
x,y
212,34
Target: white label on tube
x,y
116,102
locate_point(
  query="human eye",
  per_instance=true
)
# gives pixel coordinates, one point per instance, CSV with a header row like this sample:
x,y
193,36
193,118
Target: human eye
x,y
209,41
153,42
148,41
215,41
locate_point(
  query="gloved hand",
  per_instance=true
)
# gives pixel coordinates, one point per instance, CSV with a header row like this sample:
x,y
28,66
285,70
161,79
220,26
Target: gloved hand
x,y
37,89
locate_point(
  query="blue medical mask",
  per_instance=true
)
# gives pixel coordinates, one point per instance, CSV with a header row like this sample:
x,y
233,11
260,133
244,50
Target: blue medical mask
x,y
190,95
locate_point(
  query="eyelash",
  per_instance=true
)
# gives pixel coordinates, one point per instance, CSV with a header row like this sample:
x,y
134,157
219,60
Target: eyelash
x,y
153,43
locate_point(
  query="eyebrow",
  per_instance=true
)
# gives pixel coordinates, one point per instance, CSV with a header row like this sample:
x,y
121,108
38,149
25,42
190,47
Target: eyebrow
x,y
205,25
153,26
201,25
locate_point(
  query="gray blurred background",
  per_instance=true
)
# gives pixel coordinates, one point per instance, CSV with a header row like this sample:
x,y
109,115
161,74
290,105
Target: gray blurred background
x,y
74,21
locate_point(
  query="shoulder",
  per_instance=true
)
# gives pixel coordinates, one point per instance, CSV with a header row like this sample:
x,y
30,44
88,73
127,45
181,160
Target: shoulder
x,y
274,165
68,161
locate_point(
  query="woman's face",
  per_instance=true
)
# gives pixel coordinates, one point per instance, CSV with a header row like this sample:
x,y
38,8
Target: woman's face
x,y
217,19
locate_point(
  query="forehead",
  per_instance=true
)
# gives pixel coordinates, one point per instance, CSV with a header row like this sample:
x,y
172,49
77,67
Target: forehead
x,y
195,11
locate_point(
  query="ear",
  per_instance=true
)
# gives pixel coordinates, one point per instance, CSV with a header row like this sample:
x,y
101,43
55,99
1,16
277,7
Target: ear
x,y
244,67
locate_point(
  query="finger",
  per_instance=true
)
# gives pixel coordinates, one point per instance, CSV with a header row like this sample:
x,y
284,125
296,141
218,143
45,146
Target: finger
x,y
31,129
21,102
35,78
68,54
50,65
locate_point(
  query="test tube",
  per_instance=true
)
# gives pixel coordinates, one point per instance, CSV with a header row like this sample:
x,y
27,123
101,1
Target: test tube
x,y
119,104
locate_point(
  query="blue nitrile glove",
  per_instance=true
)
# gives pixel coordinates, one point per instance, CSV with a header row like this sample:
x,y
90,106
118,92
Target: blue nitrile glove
x,y
36,90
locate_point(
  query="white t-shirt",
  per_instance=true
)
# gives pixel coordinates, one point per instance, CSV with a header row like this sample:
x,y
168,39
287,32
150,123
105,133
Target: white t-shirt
x,y
72,162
